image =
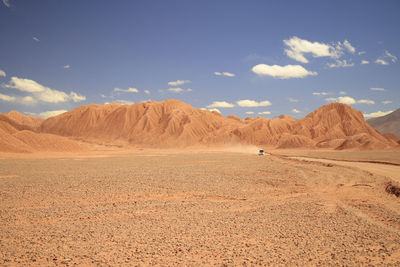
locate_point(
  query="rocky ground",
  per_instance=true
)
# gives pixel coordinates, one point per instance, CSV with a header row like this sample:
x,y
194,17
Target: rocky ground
x,y
219,209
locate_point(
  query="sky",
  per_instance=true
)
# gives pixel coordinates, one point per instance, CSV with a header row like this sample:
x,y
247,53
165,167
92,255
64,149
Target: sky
x,y
244,58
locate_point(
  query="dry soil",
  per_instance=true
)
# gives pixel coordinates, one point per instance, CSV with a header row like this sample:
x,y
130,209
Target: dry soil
x,y
194,208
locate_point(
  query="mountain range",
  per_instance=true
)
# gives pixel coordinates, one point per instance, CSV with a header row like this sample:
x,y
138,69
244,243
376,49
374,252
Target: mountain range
x,y
388,124
175,124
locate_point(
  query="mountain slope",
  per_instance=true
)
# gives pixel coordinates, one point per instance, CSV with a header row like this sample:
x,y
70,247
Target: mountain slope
x,y
19,138
387,124
30,121
172,123
167,123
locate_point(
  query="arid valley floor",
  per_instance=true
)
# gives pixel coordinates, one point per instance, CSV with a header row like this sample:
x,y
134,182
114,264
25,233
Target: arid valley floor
x,y
196,208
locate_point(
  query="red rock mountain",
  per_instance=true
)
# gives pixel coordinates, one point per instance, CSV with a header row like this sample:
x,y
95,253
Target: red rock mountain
x,y
172,123
17,134
169,123
30,121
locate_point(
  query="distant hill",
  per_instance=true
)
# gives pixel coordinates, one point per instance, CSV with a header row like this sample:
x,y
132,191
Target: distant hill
x,y
175,124
387,124
18,135
172,123
30,121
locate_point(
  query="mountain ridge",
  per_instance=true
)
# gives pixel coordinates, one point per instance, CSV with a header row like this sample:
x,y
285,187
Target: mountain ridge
x,y
389,123
175,124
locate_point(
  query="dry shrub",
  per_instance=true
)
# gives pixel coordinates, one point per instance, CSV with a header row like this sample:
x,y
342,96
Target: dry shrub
x,y
393,189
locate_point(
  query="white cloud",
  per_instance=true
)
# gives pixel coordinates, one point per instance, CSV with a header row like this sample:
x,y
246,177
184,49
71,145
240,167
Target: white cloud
x,y
215,109
377,89
2,73
228,74
381,61
298,47
124,102
249,112
340,64
129,90
7,3
179,90
293,100
178,82
377,114
346,100
366,101
221,104
331,99
7,98
67,66
103,95
386,102
349,100
147,92
41,92
296,111
282,72
252,103
392,57
342,93
52,113
264,112
30,113
361,53
36,39
28,100
349,47
320,93
175,90
25,85
76,98
342,99
364,62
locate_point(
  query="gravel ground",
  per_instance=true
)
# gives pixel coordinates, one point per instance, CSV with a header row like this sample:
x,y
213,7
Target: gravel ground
x,y
219,209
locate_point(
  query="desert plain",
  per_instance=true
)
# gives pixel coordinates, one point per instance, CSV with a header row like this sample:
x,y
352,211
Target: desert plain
x,y
199,208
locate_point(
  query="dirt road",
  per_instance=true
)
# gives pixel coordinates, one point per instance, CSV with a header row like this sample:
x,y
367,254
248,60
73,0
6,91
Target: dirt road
x,y
389,170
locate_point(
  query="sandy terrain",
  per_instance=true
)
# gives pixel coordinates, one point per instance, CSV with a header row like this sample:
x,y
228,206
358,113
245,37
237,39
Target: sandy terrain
x,y
199,208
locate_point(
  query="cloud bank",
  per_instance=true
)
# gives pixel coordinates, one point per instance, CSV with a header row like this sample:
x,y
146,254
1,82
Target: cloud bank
x,y
298,48
252,103
43,93
349,100
377,114
178,82
51,113
282,72
129,90
221,104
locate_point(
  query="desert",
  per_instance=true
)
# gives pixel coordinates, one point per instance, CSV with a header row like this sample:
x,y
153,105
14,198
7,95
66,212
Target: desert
x,y
194,208
84,191
199,133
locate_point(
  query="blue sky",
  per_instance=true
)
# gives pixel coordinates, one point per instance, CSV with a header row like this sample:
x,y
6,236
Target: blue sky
x,y
246,58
